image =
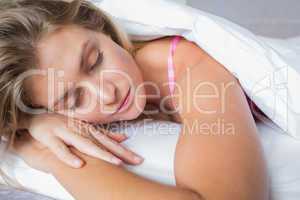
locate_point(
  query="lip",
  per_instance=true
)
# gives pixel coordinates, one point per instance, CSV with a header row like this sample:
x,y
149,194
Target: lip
x,y
125,102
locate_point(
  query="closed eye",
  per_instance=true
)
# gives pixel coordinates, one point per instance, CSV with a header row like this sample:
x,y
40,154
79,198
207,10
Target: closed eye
x,y
98,60
75,100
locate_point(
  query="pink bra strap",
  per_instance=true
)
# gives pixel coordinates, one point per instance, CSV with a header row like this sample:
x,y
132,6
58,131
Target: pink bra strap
x,y
171,67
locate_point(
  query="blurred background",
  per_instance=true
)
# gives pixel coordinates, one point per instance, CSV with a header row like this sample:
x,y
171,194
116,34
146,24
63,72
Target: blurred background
x,y
275,18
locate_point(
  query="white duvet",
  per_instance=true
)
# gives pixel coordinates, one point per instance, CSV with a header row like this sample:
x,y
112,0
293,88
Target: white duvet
x,y
268,69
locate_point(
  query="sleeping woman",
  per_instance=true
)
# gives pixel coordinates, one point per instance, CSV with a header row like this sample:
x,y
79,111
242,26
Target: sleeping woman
x,y
67,68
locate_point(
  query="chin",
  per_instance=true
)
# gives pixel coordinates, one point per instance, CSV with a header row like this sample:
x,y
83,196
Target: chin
x,y
135,111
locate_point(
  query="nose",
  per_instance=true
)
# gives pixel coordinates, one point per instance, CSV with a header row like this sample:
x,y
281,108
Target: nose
x,y
100,95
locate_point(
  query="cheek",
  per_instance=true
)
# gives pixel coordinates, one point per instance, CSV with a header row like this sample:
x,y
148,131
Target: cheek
x,y
122,61
132,69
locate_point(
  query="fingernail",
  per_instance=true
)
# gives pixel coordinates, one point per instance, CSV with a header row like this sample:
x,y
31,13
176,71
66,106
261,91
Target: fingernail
x,y
116,161
77,163
138,159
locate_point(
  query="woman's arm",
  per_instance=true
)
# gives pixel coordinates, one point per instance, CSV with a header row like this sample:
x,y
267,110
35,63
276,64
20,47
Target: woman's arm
x,y
98,179
218,153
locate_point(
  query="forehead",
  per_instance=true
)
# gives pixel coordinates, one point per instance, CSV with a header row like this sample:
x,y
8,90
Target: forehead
x,y
54,48
57,56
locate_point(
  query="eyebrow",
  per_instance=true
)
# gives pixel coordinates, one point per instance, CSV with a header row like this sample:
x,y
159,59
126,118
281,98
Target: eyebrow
x,y
81,59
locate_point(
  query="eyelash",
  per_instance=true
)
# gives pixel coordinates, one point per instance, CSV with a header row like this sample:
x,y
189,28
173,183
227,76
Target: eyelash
x,y
98,61
76,101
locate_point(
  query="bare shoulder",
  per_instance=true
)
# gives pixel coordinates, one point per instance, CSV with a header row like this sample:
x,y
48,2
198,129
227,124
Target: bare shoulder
x,y
155,53
219,139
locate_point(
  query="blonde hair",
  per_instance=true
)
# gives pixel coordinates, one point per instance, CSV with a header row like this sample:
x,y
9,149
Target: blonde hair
x,y
22,24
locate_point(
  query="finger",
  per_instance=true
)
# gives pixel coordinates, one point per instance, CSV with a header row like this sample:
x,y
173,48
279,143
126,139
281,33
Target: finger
x,y
83,128
63,153
85,145
118,137
116,148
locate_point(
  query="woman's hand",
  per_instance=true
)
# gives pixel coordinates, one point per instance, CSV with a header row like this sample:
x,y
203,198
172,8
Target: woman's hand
x,y
58,132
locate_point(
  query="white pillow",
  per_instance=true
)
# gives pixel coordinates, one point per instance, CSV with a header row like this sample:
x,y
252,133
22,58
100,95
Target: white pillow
x,y
154,140
266,74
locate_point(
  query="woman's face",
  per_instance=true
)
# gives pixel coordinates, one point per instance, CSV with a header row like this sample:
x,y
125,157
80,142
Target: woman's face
x,y
84,74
